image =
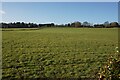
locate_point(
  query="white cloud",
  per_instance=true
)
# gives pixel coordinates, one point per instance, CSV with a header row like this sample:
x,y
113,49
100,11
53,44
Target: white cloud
x,y
2,12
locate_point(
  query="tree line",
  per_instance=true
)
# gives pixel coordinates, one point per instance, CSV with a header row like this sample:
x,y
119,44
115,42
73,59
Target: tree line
x,y
24,25
76,24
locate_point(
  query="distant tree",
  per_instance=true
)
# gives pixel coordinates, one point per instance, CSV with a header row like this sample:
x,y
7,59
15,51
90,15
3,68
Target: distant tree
x,y
0,25
66,25
52,24
72,24
4,25
106,24
86,24
69,25
99,26
62,25
76,24
114,24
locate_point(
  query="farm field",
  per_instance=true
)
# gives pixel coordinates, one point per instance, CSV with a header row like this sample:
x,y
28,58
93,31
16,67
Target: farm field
x,y
56,52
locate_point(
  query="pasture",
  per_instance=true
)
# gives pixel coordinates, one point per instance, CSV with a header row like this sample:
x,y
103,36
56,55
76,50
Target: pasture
x,y
56,52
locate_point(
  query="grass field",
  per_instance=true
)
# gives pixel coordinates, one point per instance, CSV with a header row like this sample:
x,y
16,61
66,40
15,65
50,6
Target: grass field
x,y
56,52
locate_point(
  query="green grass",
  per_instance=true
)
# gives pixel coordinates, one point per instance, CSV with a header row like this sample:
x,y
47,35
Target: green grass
x,y
56,52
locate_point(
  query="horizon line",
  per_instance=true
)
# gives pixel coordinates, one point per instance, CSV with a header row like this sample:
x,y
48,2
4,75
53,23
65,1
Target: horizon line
x,y
59,23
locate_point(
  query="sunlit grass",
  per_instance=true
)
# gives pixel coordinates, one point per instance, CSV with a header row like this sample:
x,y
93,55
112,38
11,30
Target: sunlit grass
x,y
56,52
